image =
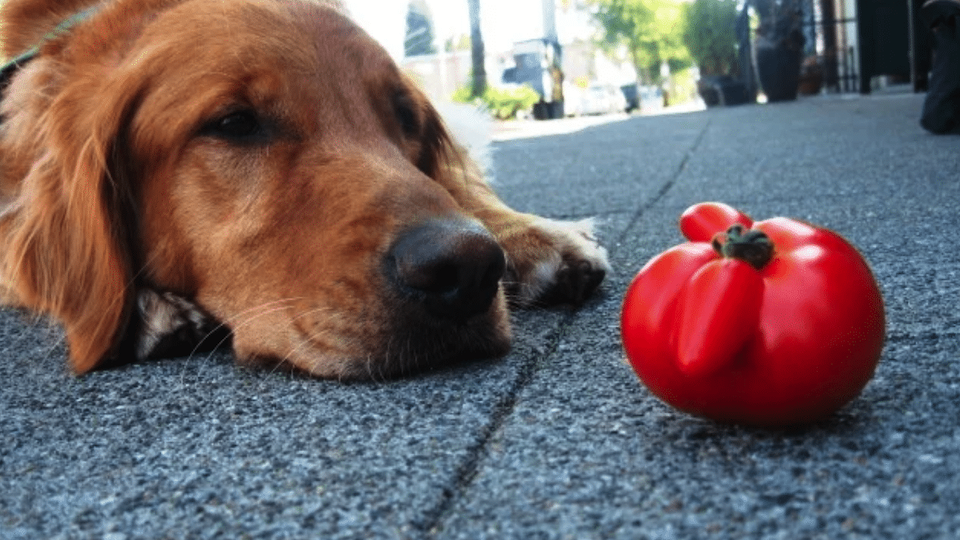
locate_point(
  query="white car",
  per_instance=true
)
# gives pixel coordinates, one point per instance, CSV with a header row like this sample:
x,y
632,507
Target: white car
x,y
595,99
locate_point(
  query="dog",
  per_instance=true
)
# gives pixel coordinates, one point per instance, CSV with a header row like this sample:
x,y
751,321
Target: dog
x,y
172,167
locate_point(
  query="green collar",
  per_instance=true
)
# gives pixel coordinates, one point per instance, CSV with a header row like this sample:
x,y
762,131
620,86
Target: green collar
x,y
8,70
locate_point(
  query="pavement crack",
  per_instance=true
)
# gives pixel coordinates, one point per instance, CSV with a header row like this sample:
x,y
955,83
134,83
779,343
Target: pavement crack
x,y
431,523
664,189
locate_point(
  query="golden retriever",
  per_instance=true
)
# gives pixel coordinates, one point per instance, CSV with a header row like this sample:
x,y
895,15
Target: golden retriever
x,y
171,166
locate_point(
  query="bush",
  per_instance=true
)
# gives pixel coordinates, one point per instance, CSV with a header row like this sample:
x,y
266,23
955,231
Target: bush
x,y
682,87
462,95
711,36
501,103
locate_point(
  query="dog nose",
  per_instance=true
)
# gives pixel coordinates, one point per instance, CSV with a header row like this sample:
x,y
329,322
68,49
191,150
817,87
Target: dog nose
x,y
452,267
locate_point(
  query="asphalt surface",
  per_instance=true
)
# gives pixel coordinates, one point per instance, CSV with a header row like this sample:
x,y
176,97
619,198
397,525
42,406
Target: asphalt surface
x,y
559,439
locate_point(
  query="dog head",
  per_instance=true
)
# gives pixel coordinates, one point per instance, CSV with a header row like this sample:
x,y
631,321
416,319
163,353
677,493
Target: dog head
x,y
265,159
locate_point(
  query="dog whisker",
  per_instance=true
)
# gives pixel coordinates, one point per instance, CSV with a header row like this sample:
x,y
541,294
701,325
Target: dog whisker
x,y
314,335
245,317
260,312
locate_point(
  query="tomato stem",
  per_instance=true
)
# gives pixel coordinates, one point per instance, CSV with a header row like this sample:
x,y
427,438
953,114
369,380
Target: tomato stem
x,y
749,245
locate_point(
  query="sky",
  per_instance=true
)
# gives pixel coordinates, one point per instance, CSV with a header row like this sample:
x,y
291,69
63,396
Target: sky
x,y
503,22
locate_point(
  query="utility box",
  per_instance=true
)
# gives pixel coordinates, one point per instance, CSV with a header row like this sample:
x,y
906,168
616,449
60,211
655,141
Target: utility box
x,y
538,65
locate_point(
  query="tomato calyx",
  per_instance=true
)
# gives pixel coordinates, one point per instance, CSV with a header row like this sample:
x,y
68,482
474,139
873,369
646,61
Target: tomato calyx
x,y
751,246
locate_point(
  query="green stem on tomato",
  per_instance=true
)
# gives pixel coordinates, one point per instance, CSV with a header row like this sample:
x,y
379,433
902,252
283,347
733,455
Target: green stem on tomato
x,y
749,245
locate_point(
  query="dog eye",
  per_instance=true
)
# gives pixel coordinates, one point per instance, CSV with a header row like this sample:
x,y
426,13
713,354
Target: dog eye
x,y
403,108
239,126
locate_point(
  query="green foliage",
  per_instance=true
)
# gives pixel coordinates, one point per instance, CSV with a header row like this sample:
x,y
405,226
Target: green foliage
x,y
501,103
710,35
681,88
464,94
505,103
650,30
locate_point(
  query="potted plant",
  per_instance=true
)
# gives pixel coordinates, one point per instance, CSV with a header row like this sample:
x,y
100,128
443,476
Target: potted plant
x,y
811,76
779,47
711,38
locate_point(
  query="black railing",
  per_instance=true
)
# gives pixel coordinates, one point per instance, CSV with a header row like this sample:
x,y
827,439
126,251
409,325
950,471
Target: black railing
x,y
883,37
835,52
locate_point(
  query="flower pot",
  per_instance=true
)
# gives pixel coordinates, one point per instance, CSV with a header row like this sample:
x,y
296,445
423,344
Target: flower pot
x,y
707,87
811,77
778,68
722,90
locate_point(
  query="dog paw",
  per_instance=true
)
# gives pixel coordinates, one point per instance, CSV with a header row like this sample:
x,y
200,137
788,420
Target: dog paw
x,y
170,325
554,262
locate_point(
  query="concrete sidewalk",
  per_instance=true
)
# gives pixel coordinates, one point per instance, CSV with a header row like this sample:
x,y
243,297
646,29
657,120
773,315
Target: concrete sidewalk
x,y
559,439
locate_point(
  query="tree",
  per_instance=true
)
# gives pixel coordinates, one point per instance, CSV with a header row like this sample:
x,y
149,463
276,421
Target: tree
x,y
711,37
419,38
650,30
476,47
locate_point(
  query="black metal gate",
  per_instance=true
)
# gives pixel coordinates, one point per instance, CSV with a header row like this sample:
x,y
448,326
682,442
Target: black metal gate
x,y
879,37
831,38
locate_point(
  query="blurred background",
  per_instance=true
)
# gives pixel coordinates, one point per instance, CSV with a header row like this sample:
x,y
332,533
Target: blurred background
x,y
554,58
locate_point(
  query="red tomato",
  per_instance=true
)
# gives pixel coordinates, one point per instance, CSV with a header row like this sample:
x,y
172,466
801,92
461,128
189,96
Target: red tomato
x,y
774,325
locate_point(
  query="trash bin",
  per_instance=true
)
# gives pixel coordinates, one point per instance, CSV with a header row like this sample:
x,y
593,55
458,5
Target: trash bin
x,y
941,107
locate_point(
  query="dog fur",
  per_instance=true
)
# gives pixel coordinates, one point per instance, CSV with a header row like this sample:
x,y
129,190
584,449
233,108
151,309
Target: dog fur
x,y
170,167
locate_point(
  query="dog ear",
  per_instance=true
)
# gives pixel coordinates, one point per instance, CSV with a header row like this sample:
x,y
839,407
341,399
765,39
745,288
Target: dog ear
x,y
26,23
67,240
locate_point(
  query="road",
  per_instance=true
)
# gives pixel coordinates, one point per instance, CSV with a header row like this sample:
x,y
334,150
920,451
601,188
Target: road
x,y
559,439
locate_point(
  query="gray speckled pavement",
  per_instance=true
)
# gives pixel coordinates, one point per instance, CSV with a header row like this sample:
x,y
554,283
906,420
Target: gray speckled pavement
x,y
559,439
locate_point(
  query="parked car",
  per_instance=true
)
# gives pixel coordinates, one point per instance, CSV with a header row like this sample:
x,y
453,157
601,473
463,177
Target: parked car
x,y
650,98
594,99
